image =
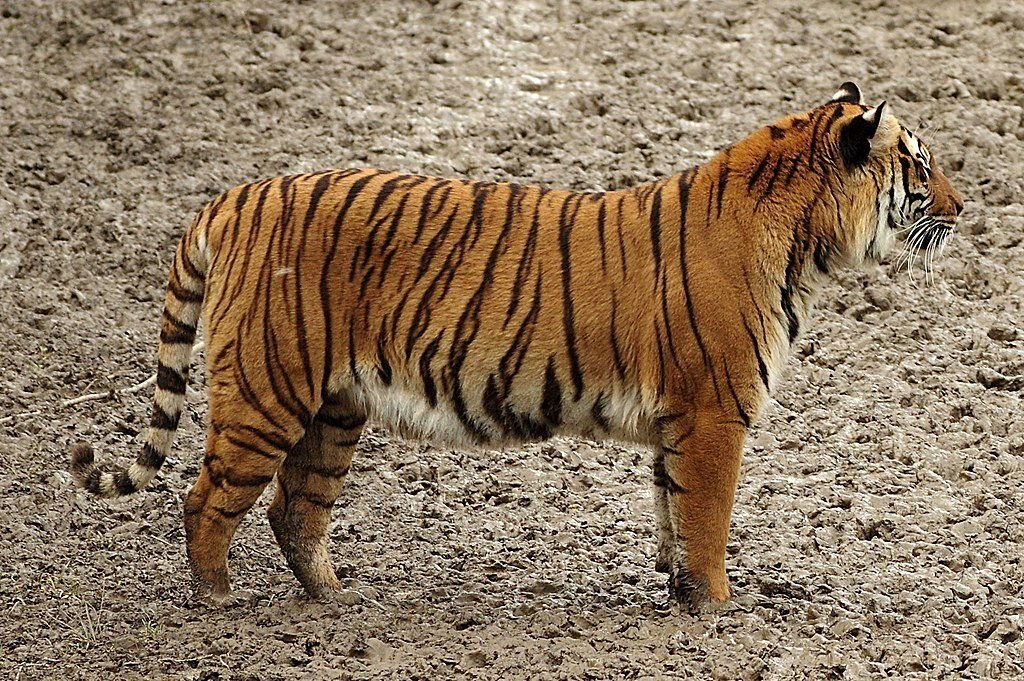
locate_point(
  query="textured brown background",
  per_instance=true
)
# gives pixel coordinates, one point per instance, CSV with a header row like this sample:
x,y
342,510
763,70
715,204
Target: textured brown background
x,y
878,529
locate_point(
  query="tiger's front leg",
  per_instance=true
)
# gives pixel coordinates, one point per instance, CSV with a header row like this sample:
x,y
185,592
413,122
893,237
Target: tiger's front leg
x,y
663,515
697,473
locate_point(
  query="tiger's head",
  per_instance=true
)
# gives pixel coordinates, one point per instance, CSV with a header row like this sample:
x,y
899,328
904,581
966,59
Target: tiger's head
x,y
898,190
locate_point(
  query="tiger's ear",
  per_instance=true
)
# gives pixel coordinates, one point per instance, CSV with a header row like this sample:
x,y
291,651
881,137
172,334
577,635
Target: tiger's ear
x,y
848,92
861,134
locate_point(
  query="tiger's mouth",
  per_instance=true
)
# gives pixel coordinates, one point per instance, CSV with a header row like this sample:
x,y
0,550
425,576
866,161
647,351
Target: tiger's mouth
x,y
924,238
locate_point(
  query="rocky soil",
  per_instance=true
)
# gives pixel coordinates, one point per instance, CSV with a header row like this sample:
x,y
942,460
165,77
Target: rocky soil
x,y
878,529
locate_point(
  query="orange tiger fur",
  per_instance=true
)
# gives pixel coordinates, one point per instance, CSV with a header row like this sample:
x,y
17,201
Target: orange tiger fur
x,y
491,314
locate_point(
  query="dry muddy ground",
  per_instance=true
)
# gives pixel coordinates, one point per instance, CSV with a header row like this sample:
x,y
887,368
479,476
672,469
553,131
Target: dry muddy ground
x,y
878,529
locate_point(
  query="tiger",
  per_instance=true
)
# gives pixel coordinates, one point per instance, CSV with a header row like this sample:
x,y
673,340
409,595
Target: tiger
x,y
487,315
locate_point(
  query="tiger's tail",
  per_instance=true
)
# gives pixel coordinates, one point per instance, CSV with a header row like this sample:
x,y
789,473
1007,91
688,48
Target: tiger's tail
x,y
182,308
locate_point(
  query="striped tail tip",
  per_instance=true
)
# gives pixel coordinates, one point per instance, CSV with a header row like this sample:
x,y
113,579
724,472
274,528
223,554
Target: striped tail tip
x,y
97,482
82,462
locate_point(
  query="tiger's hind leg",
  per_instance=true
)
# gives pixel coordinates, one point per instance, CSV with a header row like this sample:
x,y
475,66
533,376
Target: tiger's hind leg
x,y
241,460
308,484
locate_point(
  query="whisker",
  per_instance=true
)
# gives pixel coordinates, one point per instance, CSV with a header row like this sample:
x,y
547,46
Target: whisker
x,y
945,240
924,238
929,264
915,243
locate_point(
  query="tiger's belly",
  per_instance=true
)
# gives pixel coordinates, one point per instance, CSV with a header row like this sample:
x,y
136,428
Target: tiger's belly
x,y
401,406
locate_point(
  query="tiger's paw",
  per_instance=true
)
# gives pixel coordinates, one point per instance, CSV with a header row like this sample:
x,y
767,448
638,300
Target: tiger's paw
x,y
696,594
236,598
218,593
686,589
323,591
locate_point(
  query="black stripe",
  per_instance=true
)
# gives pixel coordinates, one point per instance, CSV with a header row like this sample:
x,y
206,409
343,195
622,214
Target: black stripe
x,y
771,182
162,420
597,412
325,472
272,357
753,302
273,454
661,359
425,213
792,171
723,177
613,336
230,250
220,510
684,199
286,396
123,484
275,440
150,457
175,337
435,242
661,477
786,296
190,267
481,192
170,380
892,184
469,322
179,333
822,252
623,263
349,421
177,323
383,192
213,207
519,425
352,348
182,294
397,216
245,388
271,353
315,501
551,400
757,171
442,203
525,261
601,217
814,140
761,368
429,386
668,326
384,371
735,398
565,227
655,224
385,264
836,115
92,482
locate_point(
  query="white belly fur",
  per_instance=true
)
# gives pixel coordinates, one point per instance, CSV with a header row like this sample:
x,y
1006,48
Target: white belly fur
x,y
403,408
